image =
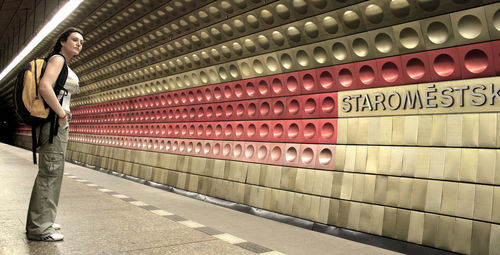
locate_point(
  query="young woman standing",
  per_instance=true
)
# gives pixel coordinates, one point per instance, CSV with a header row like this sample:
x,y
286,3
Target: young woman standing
x,y
40,224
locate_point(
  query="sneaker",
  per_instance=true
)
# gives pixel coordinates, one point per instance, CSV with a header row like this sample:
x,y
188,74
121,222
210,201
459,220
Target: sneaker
x,y
53,238
56,226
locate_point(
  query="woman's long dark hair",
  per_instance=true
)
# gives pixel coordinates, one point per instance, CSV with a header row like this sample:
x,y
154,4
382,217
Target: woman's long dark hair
x,y
62,38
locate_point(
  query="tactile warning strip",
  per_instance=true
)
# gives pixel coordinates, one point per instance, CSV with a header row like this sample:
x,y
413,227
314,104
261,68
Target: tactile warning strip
x,y
253,247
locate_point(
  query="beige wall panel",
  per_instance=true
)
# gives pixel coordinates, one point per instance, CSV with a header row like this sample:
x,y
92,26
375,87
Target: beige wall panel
x,y
288,178
419,194
480,243
369,188
431,223
362,134
422,161
396,165
327,183
340,157
350,159
425,130
449,198
433,196
393,186
445,233
358,187
488,129
354,215
389,225
333,212
403,224
337,184
470,130
438,135
364,220
495,239
386,128
377,220
452,163
372,159
465,202
374,130
495,214
487,165
324,210
416,228
437,162
398,129
468,165
463,236
409,161
342,130
346,190
454,130
405,192
352,133
483,202
411,130
384,160
361,156
380,189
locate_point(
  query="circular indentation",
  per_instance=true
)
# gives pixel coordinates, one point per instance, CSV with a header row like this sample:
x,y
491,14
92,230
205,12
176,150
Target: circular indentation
x,y
345,77
351,19
245,68
216,149
374,13
325,156
226,150
293,34
253,21
360,47
218,130
476,61
286,61
238,90
319,3
229,111
278,108
293,107
327,130
308,82
272,64
408,38
339,51
276,153
302,58
258,67
310,106
240,110
326,80
383,43
307,156
428,5
233,71
282,11
251,131
264,131
262,152
469,27
249,151
415,68
239,25
330,24
267,16
207,148
265,108
292,85
291,154
278,38
250,89
293,131
278,131
277,85
250,45
400,8
238,149
444,65
251,109
311,29
437,32
320,55
366,75
263,87
263,42
300,6
390,72
496,20
228,131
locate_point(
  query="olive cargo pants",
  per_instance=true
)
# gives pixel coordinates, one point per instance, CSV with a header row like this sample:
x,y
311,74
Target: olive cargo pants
x,y
45,195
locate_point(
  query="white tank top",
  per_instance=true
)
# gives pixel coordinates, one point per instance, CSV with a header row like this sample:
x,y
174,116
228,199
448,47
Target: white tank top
x,y
72,85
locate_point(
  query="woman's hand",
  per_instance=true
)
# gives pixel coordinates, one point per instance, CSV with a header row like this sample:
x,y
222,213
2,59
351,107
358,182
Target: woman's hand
x,y
62,121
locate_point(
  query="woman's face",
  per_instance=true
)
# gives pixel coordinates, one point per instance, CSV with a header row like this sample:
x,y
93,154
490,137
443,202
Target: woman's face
x,y
73,45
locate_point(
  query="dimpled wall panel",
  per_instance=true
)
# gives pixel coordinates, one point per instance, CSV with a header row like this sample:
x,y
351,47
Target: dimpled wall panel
x,y
379,116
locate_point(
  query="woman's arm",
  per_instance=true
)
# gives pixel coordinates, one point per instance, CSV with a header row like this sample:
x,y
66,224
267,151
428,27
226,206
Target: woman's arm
x,y
52,70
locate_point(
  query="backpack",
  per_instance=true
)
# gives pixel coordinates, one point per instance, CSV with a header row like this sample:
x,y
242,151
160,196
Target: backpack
x,y
29,106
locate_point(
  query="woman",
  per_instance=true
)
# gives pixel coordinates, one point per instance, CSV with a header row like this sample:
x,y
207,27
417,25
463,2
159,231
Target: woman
x,y
42,210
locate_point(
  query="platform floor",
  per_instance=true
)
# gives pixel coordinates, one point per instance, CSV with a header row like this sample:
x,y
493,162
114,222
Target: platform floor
x,y
105,214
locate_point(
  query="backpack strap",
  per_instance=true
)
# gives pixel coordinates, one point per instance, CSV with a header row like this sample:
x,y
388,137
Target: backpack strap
x,y
34,143
58,87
